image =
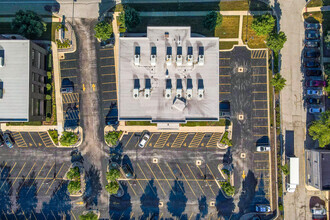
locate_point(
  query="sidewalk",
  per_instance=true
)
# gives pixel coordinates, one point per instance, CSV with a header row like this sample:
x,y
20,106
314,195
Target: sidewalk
x,y
116,49
315,9
47,20
27,128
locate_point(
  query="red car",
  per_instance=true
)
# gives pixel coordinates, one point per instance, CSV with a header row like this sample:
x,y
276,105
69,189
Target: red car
x,y
315,83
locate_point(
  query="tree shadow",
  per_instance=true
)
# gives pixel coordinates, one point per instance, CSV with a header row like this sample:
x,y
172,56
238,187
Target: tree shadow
x,y
203,207
59,205
127,160
76,156
5,191
227,157
225,206
149,201
26,197
121,207
248,191
177,200
93,187
260,196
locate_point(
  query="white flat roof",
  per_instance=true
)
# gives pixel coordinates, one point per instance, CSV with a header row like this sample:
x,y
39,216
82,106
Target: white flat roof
x,y
157,107
15,77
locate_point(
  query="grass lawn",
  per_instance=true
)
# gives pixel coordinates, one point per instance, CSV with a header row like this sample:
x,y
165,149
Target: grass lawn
x,y
140,123
229,27
243,5
195,22
48,35
316,3
313,17
221,122
248,34
226,45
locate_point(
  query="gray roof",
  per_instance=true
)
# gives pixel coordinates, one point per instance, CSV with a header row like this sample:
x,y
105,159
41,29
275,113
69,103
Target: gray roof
x,y
318,168
15,77
157,107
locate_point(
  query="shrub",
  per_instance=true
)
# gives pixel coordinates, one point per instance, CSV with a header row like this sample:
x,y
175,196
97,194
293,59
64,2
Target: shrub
x,y
49,75
285,169
48,97
228,189
225,140
54,135
212,20
103,30
88,216
73,174
48,86
225,171
113,174
112,137
64,44
112,187
68,138
74,187
263,24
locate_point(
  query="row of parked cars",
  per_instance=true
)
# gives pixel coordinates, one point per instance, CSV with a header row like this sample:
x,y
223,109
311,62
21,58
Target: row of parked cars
x,y
6,139
314,77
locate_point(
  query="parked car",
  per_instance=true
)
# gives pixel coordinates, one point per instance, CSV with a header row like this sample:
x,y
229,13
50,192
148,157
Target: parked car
x,y
263,208
127,171
144,140
315,101
315,83
312,53
311,64
314,92
108,43
8,140
316,110
263,148
314,26
312,35
312,43
318,210
67,86
2,141
313,72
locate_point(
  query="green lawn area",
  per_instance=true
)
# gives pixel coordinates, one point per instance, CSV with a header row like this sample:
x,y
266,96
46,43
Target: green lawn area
x,y
316,3
229,27
195,22
248,34
48,35
243,5
140,123
313,17
221,122
226,45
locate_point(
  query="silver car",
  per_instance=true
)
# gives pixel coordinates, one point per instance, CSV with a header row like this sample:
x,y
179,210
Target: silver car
x,y
144,140
263,148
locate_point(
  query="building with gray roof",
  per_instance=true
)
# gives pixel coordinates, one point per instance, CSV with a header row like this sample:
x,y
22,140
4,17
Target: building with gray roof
x,y
168,76
22,79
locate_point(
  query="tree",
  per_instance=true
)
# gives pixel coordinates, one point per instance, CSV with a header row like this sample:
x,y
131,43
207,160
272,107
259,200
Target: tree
x,y
320,129
263,24
74,186
103,30
212,20
28,24
88,216
130,18
112,187
228,189
285,169
68,138
121,20
48,86
112,137
113,174
73,174
278,82
48,97
276,41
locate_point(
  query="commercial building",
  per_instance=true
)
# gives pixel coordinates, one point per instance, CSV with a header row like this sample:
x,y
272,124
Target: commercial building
x,y
168,77
318,168
22,79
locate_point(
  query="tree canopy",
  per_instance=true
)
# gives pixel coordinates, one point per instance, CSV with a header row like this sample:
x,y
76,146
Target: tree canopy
x,y
112,187
276,41
113,174
112,137
74,186
28,24
73,174
103,30
129,18
212,19
68,138
278,82
320,129
263,24
88,216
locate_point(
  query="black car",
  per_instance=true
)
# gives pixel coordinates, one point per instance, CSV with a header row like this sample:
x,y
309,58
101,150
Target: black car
x,y
312,53
314,101
313,72
312,43
313,26
67,86
311,64
312,35
128,171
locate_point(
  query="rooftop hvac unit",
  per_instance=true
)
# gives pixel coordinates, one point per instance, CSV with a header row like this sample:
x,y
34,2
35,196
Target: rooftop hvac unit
x,y
147,93
147,89
201,60
2,61
168,60
189,94
137,60
135,93
178,93
179,88
200,93
168,93
153,60
190,59
179,60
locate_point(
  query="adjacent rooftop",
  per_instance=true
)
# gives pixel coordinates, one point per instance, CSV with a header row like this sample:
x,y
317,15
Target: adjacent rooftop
x,y
318,169
168,76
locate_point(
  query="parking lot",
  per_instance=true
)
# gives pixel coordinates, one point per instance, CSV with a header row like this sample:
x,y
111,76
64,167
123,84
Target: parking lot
x,y
32,139
70,72
107,79
243,82
32,184
167,170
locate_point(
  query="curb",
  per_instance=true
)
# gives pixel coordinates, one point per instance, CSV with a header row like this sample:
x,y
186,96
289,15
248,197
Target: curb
x,y
73,47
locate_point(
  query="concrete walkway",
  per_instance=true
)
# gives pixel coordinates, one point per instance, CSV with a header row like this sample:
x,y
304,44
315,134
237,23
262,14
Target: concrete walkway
x,y
116,49
315,9
47,20
27,128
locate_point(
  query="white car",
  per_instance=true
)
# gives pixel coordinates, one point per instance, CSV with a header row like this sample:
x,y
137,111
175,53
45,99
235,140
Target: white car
x,y
316,110
314,92
262,148
144,140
